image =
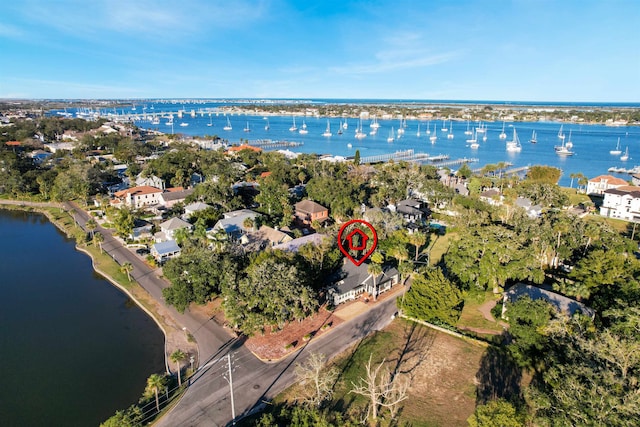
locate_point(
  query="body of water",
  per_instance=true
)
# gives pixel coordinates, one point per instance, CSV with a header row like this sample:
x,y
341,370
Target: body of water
x,y
591,143
73,348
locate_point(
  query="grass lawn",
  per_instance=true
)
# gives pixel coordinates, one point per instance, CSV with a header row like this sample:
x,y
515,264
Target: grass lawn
x,y
439,246
472,317
441,369
575,198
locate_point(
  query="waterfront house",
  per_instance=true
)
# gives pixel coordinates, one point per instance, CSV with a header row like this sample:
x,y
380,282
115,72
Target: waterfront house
x,y
352,281
308,211
413,211
492,196
561,303
137,197
295,244
622,202
598,185
163,251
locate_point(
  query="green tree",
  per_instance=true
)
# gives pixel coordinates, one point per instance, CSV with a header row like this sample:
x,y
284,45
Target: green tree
x,y
432,297
155,384
177,357
374,269
527,319
98,239
131,417
356,158
544,174
417,239
496,413
123,222
91,225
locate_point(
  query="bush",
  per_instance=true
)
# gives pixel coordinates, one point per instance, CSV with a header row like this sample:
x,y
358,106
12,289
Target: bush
x,y
307,337
496,311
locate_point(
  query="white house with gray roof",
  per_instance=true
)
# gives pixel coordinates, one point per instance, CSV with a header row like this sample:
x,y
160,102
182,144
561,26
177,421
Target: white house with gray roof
x,y
351,281
233,222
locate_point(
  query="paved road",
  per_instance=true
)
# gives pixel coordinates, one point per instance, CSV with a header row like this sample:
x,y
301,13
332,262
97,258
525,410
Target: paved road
x,y
207,401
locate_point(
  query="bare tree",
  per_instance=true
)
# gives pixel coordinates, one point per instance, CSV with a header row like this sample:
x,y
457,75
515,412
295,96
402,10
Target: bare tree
x,y
318,382
382,389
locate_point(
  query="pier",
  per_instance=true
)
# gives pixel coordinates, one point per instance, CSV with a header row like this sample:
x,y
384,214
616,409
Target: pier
x,y
267,144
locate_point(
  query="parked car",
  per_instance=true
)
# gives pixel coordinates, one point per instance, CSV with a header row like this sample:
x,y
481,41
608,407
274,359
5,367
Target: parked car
x,y
142,251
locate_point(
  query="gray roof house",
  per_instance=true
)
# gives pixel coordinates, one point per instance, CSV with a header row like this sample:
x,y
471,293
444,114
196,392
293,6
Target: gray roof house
x,y
233,222
351,281
170,226
192,208
295,244
165,250
559,302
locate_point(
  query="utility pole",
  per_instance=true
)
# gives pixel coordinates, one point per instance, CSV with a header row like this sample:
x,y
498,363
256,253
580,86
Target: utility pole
x,y
230,381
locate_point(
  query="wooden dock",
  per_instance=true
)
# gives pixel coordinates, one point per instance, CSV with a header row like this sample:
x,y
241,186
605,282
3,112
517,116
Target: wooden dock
x,y
267,144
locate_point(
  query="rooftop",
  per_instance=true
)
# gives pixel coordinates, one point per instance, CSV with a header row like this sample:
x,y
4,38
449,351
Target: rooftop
x,y
559,302
611,180
309,206
163,248
138,191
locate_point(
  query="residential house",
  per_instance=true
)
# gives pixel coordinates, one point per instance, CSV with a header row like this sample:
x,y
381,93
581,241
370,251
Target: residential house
x,y
533,211
151,181
352,281
492,196
622,202
233,222
137,197
560,303
192,208
264,237
598,185
308,211
163,251
141,230
173,196
169,228
295,244
413,211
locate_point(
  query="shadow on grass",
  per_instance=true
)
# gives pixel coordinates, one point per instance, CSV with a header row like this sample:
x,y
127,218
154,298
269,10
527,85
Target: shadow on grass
x,y
498,377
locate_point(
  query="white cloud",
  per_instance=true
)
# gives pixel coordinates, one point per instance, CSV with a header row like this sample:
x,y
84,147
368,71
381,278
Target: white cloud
x,y
40,88
388,61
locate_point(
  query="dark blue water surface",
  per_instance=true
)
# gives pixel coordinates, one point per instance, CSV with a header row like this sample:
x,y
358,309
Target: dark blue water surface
x,y
73,348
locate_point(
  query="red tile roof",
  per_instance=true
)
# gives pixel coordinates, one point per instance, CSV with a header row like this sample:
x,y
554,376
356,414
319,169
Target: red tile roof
x,y
611,180
138,191
237,148
13,143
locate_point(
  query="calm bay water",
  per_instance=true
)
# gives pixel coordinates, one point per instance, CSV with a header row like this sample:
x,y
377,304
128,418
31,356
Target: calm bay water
x,y
591,143
73,348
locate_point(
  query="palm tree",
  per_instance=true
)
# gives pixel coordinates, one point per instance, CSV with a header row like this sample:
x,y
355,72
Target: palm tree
x,y
374,270
91,226
98,239
177,357
155,384
417,239
127,268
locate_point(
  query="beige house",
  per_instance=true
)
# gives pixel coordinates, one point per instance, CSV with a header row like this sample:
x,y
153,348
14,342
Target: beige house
x,y
138,197
598,185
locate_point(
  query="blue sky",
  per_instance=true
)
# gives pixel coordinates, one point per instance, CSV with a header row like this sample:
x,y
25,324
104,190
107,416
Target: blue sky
x,y
521,50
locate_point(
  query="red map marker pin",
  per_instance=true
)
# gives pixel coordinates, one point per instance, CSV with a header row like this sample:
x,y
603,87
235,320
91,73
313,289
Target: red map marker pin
x,y
357,239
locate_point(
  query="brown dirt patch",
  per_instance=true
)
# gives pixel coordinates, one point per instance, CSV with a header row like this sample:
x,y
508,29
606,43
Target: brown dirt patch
x,y
272,345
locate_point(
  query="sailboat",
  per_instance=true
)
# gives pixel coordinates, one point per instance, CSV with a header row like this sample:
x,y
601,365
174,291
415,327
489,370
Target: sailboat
x,y
374,124
563,150
294,128
210,120
534,137
327,131
391,136
359,133
444,126
267,126
569,144
485,137
247,129
473,141
560,134
418,133
482,128
434,137
617,151
340,128
428,132
345,125
503,135
303,129
514,144
450,134
401,128
625,156
228,126
469,131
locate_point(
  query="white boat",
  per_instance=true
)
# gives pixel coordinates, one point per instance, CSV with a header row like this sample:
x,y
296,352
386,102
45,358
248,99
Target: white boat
x,y
210,120
625,156
485,137
450,134
469,131
503,135
391,136
349,145
345,125
560,134
373,131
293,127
267,126
569,144
228,126
183,124
418,133
428,132
444,126
340,128
434,137
481,128
514,144
563,150
374,124
401,128
155,121
247,129
473,139
327,131
617,151
359,133
534,138
303,129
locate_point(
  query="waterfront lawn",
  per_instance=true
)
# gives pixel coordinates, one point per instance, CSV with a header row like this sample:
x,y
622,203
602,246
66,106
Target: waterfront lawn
x,y
442,369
